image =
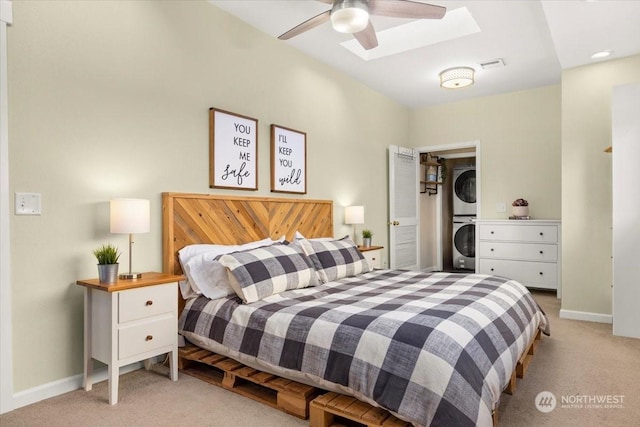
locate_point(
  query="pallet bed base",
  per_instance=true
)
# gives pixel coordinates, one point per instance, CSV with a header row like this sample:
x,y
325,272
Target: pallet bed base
x,y
288,396
301,400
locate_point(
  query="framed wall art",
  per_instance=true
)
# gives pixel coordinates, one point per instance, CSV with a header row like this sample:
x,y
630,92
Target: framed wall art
x,y
233,151
288,160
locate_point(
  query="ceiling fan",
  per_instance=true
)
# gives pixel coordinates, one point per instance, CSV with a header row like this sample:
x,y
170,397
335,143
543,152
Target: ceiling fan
x,y
352,16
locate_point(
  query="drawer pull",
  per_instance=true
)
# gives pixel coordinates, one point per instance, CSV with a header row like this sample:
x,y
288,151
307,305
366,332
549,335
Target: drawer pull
x,y
150,337
541,252
492,232
491,249
149,303
492,269
541,273
541,233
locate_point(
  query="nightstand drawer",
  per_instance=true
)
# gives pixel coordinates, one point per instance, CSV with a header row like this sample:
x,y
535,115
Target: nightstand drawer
x,y
146,302
374,258
144,337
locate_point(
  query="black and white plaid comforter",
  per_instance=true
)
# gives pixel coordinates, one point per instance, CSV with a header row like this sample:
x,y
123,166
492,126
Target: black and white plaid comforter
x,y
435,349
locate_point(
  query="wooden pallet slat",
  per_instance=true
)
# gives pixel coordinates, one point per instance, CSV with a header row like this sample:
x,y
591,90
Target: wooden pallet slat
x,y
325,410
288,396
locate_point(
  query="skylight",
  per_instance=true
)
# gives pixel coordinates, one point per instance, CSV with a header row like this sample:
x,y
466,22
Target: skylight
x,y
416,34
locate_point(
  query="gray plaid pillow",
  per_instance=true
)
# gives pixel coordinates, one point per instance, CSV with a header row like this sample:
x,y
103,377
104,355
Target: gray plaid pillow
x,y
268,270
335,259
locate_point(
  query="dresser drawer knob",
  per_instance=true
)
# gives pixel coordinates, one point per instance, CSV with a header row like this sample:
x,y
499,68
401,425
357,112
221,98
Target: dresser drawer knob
x,y
149,303
492,232
541,233
541,273
149,338
491,249
541,252
492,269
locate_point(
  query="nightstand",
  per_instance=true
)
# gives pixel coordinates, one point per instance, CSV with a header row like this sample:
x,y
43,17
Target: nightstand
x,y
129,321
373,255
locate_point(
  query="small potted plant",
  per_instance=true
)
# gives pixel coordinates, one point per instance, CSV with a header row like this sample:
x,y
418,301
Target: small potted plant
x,y
366,238
520,208
107,256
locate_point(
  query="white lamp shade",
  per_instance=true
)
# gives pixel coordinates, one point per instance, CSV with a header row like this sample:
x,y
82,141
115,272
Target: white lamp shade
x,y
354,215
130,216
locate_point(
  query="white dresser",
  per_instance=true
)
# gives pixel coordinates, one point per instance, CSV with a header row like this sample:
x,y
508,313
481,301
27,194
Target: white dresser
x,y
525,250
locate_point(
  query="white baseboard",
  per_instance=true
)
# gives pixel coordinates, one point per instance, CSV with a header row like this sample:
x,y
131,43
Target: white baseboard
x,y
65,385
430,269
583,315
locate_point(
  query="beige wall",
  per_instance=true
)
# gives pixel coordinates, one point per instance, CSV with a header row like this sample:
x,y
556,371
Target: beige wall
x,y
519,136
586,182
111,99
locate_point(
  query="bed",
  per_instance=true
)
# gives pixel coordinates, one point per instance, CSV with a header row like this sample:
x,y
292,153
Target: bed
x,y
432,348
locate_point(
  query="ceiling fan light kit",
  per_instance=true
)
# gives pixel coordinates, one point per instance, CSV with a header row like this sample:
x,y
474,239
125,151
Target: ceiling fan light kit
x,y
455,78
349,16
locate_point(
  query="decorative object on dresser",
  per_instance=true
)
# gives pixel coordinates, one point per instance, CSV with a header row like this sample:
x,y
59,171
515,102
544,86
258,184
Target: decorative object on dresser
x,y
288,160
520,209
366,238
129,321
354,215
107,256
130,216
373,255
233,148
527,251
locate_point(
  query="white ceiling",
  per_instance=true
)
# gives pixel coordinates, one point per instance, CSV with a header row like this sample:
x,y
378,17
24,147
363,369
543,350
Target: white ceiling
x,y
535,39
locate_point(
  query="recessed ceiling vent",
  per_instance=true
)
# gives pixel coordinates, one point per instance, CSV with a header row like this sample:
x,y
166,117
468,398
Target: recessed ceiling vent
x,y
496,63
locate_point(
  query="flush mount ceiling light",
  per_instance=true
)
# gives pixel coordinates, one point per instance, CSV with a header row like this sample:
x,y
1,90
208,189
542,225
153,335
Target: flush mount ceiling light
x,y
601,54
454,78
349,16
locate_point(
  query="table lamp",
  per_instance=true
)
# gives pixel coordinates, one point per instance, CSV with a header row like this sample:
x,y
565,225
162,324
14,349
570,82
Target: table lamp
x,y
354,215
130,216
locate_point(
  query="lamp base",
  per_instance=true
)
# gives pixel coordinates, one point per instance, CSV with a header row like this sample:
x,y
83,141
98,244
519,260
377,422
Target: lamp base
x,y
130,276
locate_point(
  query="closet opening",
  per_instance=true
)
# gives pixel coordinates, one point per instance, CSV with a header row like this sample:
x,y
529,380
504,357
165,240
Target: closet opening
x,y
449,205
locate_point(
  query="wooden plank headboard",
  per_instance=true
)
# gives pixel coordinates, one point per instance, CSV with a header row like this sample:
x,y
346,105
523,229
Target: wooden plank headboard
x,y
229,220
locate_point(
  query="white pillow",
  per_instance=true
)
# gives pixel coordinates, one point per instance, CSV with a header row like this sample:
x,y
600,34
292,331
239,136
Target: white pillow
x,y
298,236
206,276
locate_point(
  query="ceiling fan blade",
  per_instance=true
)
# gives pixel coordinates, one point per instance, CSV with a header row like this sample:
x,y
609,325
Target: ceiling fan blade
x,y
406,9
367,37
306,25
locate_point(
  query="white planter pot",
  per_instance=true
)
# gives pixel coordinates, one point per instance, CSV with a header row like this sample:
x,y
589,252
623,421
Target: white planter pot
x,y
520,210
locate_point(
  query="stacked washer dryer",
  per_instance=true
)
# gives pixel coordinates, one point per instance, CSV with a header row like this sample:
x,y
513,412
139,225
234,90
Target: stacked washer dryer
x,y
464,215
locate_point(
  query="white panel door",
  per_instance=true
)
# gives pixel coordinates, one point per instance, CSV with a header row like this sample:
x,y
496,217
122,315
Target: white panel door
x,y
626,210
404,191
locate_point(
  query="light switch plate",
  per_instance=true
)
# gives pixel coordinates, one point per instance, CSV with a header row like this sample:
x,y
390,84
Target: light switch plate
x,y
28,204
501,207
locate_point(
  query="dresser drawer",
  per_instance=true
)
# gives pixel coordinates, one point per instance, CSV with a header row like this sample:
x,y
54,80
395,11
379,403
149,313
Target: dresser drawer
x,y
521,251
143,337
146,302
531,274
519,233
